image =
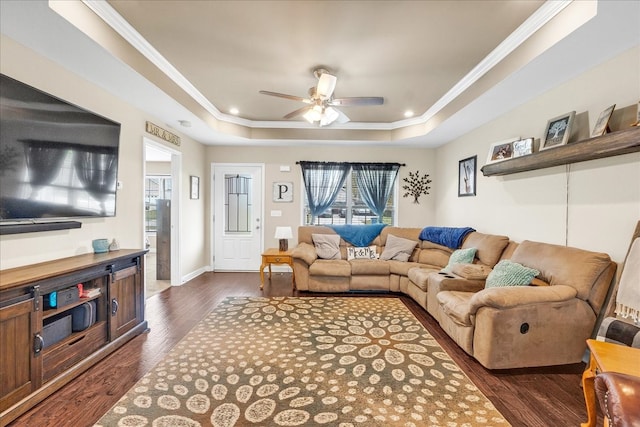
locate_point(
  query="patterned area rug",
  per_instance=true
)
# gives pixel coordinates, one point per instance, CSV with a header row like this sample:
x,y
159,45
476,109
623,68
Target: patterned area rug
x,y
306,361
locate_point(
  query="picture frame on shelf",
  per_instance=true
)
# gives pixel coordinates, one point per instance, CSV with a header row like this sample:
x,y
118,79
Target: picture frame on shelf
x,y
467,169
194,182
499,151
602,124
557,131
522,147
637,123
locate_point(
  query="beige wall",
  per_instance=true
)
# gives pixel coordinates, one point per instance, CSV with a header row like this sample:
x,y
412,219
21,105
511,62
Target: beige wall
x,y
127,226
411,215
603,195
593,205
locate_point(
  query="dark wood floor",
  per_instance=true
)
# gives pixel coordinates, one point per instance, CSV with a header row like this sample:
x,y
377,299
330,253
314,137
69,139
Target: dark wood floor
x,y
527,397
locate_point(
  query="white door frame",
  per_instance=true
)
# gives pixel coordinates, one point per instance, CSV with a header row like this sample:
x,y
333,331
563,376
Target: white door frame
x,y
212,206
176,185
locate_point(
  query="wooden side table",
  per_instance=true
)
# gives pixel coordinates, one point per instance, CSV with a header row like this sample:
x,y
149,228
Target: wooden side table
x,y
276,256
606,357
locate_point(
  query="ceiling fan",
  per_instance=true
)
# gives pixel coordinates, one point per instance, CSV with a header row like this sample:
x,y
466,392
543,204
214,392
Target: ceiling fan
x,y
321,103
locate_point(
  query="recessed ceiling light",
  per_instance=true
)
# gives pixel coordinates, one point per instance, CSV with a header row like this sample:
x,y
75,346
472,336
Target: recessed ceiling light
x,y
234,111
408,113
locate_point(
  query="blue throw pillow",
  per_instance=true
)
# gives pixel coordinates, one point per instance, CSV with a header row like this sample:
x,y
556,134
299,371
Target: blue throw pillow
x,y
460,256
508,273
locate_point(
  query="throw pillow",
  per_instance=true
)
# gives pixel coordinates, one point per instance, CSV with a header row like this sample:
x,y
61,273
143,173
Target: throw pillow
x,y
398,248
327,245
460,256
509,273
368,252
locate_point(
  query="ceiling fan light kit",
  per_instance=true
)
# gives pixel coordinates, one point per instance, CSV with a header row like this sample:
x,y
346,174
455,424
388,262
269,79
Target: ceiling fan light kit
x,y
321,102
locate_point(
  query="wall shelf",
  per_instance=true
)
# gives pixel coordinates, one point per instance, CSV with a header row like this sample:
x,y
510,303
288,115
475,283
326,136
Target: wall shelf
x,y
612,144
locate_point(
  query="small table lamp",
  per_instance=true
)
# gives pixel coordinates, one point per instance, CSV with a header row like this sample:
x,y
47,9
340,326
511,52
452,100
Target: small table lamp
x,y
284,233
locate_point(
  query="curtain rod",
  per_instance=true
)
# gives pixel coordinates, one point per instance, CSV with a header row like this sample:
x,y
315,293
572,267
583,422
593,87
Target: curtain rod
x,y
360,163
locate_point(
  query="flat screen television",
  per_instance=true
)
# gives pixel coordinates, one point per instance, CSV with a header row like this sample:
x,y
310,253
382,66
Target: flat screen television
x,y
57,160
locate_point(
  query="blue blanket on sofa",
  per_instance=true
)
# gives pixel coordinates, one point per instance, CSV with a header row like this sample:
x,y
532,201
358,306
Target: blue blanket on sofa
x,y
450,237
359,235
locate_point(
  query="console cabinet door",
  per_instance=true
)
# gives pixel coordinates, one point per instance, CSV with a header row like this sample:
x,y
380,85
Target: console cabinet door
x,y
20,346
127,300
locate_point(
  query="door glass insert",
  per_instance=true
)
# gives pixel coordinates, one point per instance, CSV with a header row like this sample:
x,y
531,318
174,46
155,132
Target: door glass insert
x,y
237,203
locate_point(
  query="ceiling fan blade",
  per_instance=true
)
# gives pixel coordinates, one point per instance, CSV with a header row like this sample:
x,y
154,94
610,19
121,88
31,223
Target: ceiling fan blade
x,y
298,112
342,117
285,96
326,85
356,101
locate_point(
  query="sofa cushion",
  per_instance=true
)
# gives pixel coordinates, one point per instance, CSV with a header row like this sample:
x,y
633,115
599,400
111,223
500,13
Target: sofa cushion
x,y
455,304
398,248
374,267
330,267
563,265
419,276
509,273
401,268
327,245
489,247
460,256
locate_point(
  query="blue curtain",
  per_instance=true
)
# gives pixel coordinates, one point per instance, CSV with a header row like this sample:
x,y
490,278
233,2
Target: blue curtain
x,y
322,183
375,183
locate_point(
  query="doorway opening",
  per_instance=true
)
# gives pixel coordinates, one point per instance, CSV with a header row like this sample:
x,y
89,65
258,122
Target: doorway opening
x,y
161,209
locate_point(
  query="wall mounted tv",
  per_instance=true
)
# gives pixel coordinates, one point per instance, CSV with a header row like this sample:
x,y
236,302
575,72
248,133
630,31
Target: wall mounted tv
x,y
57,160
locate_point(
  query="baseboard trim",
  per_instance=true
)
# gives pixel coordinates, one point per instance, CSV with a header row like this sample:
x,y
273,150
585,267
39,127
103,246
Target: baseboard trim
x,y
193,274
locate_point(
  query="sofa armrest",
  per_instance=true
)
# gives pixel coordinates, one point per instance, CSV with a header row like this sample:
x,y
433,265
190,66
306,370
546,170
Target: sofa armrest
x,y
305,252
450,282
513,296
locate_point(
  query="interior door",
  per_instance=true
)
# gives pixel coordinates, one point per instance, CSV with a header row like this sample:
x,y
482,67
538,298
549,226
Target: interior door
x,y
237,217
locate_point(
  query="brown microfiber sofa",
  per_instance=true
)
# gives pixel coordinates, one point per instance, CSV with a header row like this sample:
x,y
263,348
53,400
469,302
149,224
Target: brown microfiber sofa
x,y
506,327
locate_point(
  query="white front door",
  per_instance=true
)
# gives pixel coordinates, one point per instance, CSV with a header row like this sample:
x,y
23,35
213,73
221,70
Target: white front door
x,y
237,218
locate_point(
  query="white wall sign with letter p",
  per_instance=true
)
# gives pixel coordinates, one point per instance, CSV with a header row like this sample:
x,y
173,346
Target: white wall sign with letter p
x,y
282,192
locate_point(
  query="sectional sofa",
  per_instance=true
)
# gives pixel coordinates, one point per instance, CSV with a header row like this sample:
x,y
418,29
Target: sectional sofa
x,y
543,322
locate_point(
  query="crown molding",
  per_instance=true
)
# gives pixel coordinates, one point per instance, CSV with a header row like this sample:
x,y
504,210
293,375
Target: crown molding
x,y
537,20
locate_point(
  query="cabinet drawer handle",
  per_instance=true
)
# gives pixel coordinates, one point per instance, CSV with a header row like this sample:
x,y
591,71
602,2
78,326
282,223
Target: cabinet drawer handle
x,y
114,306
277,259
38,343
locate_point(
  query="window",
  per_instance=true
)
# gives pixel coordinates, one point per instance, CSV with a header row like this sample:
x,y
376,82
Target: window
x,y
155,188
350,208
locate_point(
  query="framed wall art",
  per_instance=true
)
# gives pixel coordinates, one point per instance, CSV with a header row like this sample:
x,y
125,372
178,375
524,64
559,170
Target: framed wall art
x,y
557,131
522,147
194,182
502,150
467,176
602,124
283,192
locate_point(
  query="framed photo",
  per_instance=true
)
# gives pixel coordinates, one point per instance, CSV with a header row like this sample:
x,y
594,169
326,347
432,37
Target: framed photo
x,y
195,186
499,151
637,123
467,176
522,147
283,192
602,124
557,131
